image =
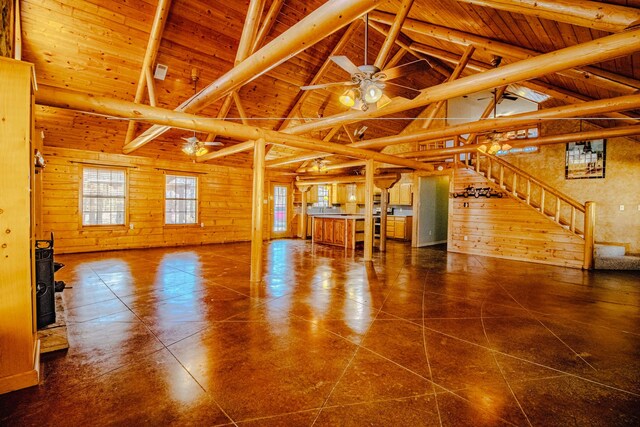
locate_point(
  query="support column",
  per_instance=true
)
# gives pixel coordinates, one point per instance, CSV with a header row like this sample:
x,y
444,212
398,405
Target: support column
x,y
368,211
257,211
303,214
384,184
589,230
384,203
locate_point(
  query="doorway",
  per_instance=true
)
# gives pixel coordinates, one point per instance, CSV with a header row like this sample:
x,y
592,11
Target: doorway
x,y
280,211
432,211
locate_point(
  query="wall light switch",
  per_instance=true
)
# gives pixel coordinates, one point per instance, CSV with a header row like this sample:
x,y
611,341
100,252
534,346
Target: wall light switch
x,y
621,207
466,238
202,225
131,226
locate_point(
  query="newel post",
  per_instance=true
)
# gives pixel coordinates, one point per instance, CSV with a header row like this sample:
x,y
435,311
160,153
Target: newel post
x,y
589,230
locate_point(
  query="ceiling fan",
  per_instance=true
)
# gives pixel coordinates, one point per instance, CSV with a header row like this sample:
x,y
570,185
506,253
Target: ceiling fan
x,y
367,81
193,146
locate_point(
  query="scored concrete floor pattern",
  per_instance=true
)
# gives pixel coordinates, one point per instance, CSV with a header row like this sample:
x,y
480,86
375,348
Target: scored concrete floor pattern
x,y
178,336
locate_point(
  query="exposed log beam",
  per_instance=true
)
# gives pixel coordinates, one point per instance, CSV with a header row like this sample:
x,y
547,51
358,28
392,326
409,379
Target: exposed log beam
x,y
617,132
151,87
622,103
599,50
222,114
537,85
395,59
241,113
394,32
464,60
157,27
587,74
487,111
267,24
325,20
64,98
249,30
334,166
435,65
227,151
590,14
341,179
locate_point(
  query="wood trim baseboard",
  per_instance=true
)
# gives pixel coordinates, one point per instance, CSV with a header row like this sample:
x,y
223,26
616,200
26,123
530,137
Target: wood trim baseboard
x,y
24,379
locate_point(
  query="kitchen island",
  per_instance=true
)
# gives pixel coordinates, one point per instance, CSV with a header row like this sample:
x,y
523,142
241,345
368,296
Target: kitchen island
x,y
338,230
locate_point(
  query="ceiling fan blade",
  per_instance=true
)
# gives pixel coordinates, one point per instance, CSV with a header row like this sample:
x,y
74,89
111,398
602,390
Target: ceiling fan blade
x,y
403,91
402,70
324,85
212,143
346,64
191,140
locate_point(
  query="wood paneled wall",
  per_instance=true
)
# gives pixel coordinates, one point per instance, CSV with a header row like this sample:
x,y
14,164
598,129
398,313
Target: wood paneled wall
x,y
224,203
507,228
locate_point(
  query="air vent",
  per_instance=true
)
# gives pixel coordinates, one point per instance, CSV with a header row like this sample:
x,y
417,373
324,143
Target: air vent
x,y
161,72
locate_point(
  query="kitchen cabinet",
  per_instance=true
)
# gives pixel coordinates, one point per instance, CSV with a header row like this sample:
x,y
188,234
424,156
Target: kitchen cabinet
x,y
399,227
338,230
338,194
406,193
19,346
401,194
312,195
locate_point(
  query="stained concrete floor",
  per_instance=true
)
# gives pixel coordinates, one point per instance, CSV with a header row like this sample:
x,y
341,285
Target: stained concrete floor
x,y
420,337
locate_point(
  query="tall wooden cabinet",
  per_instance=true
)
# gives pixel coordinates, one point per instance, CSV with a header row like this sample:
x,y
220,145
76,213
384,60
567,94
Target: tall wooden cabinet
x,y
19,347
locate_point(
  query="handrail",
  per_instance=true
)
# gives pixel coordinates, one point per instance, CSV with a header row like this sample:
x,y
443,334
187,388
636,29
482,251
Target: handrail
x,y
579,206
555,214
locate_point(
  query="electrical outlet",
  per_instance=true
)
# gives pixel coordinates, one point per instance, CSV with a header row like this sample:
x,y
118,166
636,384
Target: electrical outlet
x,y
202,225
466,238
131,226
430,233
621,208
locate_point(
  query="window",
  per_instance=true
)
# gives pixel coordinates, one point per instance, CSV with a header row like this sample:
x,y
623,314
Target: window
x,y
103,196
180,199
323,196
279,208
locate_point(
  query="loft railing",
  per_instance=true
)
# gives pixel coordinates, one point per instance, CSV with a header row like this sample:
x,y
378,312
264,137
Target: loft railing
x,y
558,207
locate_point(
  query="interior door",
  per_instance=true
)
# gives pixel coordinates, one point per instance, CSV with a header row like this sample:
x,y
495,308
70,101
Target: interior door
x,y
433,210
280,211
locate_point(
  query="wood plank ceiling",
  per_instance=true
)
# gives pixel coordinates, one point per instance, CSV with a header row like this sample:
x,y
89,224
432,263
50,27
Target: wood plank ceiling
x,y
97,47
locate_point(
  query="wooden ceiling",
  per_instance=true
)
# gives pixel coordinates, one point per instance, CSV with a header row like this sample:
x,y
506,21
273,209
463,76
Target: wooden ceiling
x,y
97,47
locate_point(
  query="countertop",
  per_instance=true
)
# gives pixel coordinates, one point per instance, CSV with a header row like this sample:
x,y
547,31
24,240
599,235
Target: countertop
x,y
338,216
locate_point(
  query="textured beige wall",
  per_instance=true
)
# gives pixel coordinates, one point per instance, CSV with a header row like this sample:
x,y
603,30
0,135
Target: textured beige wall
x,y
621,185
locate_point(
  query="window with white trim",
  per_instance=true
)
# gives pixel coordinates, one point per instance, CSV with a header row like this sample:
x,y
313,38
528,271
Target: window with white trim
x,y
323,197
181,200
103,196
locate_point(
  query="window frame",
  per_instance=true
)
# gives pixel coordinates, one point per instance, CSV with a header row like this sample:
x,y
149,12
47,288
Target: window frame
x,y
164,202
319,204
125,225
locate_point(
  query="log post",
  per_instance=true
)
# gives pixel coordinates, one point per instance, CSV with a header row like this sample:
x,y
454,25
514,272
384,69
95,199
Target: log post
x,y
384,203
589,230
368,211
257,211
304,189
394,32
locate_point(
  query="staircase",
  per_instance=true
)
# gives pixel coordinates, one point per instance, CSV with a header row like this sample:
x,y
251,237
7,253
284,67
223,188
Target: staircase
x,y
568,213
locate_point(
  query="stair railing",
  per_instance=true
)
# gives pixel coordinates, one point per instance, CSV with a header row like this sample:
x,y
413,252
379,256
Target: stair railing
x,y
565,211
